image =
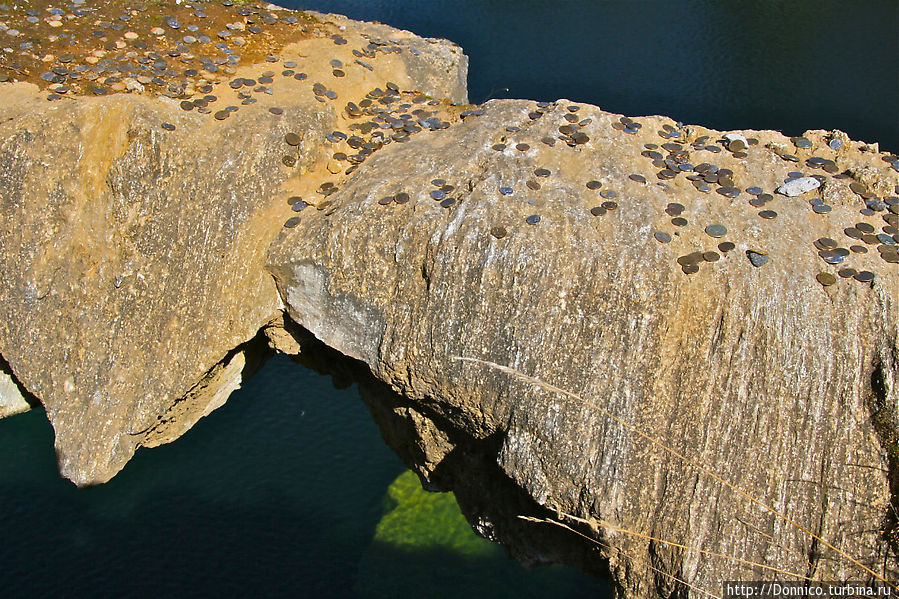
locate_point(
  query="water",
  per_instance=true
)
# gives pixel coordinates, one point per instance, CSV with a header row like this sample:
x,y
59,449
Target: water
x,y
288,490
740,64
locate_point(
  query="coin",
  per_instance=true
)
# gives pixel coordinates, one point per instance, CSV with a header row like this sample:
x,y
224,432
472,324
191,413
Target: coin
x,y
533,219
598,211
826,279
498,232
662,237
716,230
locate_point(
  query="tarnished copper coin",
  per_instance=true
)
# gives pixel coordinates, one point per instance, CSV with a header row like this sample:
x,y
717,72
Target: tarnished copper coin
x,y
662,237
598,211
726,246
498,232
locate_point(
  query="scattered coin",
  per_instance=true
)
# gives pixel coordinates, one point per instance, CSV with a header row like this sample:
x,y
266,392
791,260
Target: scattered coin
x,y
716,230
826,279
498,232
532,219
598,211
864,276
662,237
292,222
726,246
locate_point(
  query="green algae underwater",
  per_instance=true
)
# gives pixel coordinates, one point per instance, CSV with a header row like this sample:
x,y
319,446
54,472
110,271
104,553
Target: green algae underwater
x,y
288,490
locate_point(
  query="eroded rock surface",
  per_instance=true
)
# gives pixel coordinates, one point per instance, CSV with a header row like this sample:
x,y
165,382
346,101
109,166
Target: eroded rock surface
x,y
134,226
546,238
707,324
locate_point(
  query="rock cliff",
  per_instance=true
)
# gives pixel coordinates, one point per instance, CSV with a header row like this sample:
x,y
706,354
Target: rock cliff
x,y
717,343
133,226
659,352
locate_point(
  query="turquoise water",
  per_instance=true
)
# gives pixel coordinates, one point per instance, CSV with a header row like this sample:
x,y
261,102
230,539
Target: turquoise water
x,y
286,491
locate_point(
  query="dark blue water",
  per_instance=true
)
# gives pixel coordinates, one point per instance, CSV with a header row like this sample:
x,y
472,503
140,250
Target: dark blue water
x,y
286,491
736,64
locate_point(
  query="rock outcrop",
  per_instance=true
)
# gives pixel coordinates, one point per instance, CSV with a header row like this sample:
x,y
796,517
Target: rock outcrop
x,y
133,231
612,338
556,257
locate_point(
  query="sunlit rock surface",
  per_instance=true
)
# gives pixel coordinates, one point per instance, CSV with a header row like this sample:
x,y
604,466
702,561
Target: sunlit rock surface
x,y
685,357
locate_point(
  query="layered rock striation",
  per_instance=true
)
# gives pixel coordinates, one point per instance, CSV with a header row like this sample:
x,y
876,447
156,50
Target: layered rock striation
x,y
714,343
660,352
134,227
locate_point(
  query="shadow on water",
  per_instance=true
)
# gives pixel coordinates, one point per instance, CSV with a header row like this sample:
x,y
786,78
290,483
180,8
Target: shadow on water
x,y
282,492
